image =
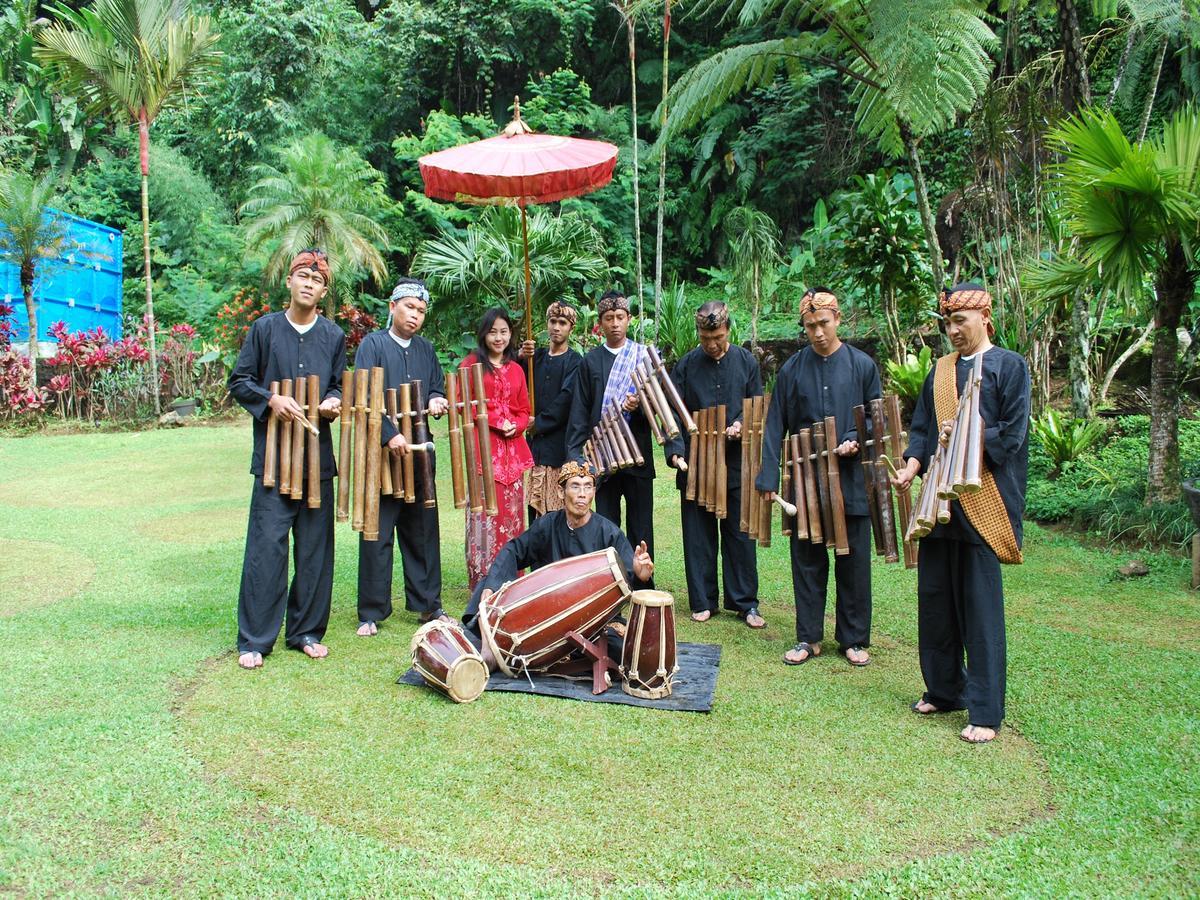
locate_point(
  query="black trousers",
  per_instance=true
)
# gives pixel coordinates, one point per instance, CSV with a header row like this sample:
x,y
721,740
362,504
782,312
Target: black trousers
x,y
960,607
852,575
638,494
265,592
415,528
739,564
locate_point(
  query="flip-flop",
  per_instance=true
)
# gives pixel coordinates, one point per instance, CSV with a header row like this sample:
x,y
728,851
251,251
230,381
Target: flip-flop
x,y
309,641
963,737
255,662
856,648
801,647
745,617
374,625
704,612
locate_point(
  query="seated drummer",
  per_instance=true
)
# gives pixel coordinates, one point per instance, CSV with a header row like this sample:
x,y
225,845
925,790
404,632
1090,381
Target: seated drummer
x,y
571,531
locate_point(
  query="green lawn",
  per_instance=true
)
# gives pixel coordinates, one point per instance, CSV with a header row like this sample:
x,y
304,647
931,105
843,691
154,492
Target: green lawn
x,y
136,758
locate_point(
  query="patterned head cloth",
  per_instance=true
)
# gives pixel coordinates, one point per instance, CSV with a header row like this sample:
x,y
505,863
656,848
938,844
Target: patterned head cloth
x,y
712,315
313,259
610,301
575,469
410,287
817,299
967,295
566,311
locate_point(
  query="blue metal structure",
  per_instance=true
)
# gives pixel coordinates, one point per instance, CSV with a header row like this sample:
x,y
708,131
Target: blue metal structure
x,y
81,287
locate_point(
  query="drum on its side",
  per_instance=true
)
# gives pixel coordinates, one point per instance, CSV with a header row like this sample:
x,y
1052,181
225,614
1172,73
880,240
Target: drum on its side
x,y
448,662
526,622
648,658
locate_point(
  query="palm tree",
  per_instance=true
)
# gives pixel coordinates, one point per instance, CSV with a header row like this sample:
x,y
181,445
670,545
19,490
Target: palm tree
x,y
319,196
1134,210
754,247
915,65
486,262
130,59
28,235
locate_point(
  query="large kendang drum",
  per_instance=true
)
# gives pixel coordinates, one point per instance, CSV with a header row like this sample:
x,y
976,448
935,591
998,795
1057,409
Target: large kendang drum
x,y
526,622
447,661
648,658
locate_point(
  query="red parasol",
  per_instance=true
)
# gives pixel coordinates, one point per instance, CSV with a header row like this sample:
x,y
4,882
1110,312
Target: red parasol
x,y
519,167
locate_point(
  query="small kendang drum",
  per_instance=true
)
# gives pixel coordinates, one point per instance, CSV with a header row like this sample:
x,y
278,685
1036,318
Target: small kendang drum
x,y
648,657
448,662
526,622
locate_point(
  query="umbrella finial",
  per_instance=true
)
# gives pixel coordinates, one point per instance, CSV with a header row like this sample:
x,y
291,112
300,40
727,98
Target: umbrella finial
x,y
516,126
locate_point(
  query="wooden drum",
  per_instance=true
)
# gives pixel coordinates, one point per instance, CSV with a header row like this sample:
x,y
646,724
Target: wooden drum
x,y
648,658
448,662
525,623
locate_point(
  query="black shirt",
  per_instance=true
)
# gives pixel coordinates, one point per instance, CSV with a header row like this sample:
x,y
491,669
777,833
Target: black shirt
x,y
1004,406
588,398
809,388
416,362
554,384
275,350
704,382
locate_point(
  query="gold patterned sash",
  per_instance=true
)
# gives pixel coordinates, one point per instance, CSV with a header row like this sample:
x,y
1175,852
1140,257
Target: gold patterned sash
x,y
984,508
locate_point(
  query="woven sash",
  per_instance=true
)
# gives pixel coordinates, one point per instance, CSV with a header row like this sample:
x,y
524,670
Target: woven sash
x,y
984,508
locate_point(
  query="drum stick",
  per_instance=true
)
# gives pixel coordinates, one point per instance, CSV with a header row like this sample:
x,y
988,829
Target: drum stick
x,y
722,466
300,390
788,508
868,465
271,450
485,440
314,443
670,390
470,444
374,440
456,451
406,428
421,439
345,438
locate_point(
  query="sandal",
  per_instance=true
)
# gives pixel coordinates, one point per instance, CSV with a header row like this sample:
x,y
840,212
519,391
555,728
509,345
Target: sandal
x,y
937,710
970,740
256,659
802,647
857,648
426,618
703,616
753,614
372,628
309,641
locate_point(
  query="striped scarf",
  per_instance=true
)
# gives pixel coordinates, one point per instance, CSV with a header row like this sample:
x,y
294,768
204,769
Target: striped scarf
x,y
620,379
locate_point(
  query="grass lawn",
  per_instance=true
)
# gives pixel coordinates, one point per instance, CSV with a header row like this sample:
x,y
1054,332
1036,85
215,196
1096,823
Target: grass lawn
x,y
135,757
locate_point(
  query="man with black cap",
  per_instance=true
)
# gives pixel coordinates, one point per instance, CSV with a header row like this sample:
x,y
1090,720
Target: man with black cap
x,y
826,378
717,373
603,380
960,590
292,344
405,356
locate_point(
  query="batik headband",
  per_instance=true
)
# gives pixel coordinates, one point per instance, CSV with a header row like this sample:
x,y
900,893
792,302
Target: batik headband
x,y
574,469
821,300
316,260
410,289
608,304
559,310
968,298
714,319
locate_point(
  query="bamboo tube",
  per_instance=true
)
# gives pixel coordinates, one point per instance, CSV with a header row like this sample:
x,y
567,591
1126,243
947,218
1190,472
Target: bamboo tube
x,y
670,390
648,410
601,450
361,384
286,426
421,436
296,479
973,467
406,429
787,523
722,466
485,440
821,468
390,477
616,446
749,466
798,493
374,440
838,504
693,454
701,439
865,453
757,413
387,461
627,432
456,451
751,529
609,419
314,442
669,426
957,457
883,491
812,495
714,450
764,505
271,450
903,497
345,438
470,444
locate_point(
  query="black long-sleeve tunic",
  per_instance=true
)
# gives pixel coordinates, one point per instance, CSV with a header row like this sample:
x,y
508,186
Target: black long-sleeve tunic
x,y
588,398
548,540
416,362
554,385
704,382
1004,406
809,388
275,350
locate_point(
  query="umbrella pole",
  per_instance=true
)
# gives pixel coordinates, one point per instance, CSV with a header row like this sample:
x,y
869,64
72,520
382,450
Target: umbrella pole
x,y
528,302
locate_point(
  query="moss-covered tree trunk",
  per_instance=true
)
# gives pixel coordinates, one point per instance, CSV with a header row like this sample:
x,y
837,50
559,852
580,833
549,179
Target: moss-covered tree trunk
x,y
1176,285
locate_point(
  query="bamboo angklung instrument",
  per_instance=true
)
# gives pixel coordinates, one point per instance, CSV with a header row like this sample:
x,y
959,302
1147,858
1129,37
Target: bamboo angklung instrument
x,y
296,479
406,428
903,497
421,437
285,444
458,488
345,444
485,440
799,494
470,445
314,442
868,463
271,450
657,369
656,406
882,494
361,385
644,399
374,439
391,472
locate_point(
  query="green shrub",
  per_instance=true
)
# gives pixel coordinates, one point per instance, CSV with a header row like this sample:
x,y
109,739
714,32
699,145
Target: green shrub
x,y
906,379
1064,439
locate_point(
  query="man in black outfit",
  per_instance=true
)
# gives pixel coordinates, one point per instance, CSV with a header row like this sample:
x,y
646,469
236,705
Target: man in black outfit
x,y
715,374
826,378
291,344
960,590
603,379
554,380
405,356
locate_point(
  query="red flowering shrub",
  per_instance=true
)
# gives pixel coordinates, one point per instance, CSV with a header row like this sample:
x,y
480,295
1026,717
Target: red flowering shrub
x,y
17,399
358,324
235,318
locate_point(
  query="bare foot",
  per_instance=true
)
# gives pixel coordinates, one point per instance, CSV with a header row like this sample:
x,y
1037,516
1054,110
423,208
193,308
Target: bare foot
x,y
978,734
316,650
924,707
367,629
250,660
702,616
